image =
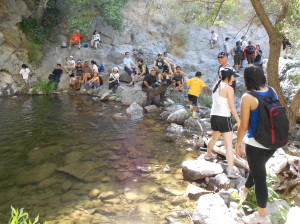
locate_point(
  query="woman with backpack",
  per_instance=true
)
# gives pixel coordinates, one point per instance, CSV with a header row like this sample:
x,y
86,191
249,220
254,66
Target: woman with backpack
x,y
237,53
257,154
220,116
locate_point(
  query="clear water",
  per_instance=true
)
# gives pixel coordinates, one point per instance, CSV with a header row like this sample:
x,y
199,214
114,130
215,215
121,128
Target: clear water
x,y
55,149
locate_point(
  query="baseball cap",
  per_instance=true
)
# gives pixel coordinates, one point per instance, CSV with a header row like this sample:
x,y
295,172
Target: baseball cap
x,y
159,54
71,56
223,53
227,72
212,31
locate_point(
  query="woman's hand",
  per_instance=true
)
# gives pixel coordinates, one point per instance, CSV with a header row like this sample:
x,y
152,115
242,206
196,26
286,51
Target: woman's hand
x,y
238,151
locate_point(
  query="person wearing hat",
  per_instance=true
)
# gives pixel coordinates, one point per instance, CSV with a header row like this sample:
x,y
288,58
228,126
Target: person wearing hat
x,y
220,117
226,45
222,59
213,39
70,64
113,80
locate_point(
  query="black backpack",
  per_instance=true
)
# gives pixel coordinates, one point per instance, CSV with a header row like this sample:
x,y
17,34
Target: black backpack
x,y
250,49
238,50
273,124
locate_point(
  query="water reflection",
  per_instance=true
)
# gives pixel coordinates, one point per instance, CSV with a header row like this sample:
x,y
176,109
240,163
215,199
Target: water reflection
x,y
56,151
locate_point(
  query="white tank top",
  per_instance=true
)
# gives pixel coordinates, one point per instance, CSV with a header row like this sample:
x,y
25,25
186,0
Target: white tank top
x,y
220,106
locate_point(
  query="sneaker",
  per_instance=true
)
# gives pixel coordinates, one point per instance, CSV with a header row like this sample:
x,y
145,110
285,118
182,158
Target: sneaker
x,y
232,174
255,218
194,116
69,48
210,157
191,107
79,46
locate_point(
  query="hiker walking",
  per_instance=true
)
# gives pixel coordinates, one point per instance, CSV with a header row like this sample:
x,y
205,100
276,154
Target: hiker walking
x,y
249,53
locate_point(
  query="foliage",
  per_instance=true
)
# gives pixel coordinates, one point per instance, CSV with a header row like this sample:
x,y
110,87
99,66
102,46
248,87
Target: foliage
x,y
295,79
178,41
111,10
21,217
207,102
37,33
43,85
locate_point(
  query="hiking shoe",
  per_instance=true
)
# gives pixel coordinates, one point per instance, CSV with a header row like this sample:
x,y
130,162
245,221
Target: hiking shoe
x,y
191,107
232,174
255,218
194,116
210,157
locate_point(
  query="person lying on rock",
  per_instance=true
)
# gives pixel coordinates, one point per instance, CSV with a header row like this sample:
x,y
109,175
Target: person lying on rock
x,y
196,84
153,88
178,76
113,81
129,67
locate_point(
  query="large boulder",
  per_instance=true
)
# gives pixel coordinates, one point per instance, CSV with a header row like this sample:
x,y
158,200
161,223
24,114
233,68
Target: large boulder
x,y
211,209
219,182
134,95
192,124
200,169
178,116
135,110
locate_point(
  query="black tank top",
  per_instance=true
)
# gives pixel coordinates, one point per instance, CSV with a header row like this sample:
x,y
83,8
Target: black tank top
x,y
160,63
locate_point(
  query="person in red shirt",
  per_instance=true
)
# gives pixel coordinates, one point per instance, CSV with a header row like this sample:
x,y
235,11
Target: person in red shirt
x,y
249,52
76,39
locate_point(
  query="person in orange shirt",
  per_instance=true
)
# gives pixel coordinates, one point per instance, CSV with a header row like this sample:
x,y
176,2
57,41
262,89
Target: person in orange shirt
x,y
76,39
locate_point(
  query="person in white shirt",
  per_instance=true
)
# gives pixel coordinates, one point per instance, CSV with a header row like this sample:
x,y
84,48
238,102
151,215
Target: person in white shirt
x,y
113,81
213,39
128,63
95,40
25,75
70,65
226,45
244,45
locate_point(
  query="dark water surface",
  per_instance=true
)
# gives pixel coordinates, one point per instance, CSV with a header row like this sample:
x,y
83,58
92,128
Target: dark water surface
x,y
65,158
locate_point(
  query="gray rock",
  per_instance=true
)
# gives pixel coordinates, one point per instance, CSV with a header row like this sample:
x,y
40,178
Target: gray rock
x,y
178,116
219,182
165,114
124,77
135,110
106,95
195,192
211,209
226,196
192,124
2,38
274,207
277,161
151,109
293,215
174,107
133,95
200,169
175,128
168,137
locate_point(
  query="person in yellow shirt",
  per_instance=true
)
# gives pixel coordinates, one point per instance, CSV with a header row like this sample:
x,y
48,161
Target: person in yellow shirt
x,y
196,84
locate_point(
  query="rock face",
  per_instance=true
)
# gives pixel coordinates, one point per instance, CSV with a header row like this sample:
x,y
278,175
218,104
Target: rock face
x,y
199,169
133,95
179,116
211,209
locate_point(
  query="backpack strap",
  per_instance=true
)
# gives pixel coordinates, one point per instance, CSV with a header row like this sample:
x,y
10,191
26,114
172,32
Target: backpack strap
x,y
261,98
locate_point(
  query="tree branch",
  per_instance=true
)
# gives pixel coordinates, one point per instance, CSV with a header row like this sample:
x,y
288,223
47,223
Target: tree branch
x,y
219,9
283,11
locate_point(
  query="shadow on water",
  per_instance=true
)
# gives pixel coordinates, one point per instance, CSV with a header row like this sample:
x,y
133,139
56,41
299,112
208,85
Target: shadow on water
x,y
54,150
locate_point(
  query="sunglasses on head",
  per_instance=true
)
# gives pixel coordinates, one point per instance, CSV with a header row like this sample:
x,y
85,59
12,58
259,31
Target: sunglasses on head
x,y
220,57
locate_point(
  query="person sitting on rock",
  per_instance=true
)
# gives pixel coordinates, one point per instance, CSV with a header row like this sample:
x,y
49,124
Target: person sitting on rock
x,y
159,63
72,81
167,73
76,39
55,76
93,80
169,62
70,65
143,69
78,74
25,75
128,63
178,76
113,81
196,84
92,74
153,88
95,39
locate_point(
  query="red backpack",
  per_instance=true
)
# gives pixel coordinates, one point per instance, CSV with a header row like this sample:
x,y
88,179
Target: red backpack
x,y
273,124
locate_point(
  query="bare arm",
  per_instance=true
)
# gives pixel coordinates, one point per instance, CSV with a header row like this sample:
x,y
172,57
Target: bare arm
x,y
231,104
205,90
146,84
245,117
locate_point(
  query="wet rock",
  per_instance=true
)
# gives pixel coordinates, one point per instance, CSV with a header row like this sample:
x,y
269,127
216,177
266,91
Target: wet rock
x,y
175,128
118,116
66,186
173,189
170,137
195,192
165,114
136,196
151,109
143,208
192,124
181,213
219,182
73,157
47,183
94,193
200,169
107,195
211,209
106,95
135,110
179,116
293,215
36,174
130,96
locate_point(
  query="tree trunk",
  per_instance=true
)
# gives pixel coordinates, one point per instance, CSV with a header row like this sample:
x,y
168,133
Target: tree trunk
x,y
41,9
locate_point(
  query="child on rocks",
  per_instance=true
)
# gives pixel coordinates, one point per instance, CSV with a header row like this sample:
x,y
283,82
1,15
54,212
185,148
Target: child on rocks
x,y
24,75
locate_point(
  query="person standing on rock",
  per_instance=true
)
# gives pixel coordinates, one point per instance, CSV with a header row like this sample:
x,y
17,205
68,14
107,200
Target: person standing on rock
x,y
249,53
222,59
55,76
129,67
196,84
244,45
226,45
25,75
237,53
213,39
258,55
220,117
257,154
